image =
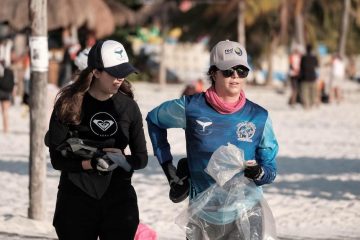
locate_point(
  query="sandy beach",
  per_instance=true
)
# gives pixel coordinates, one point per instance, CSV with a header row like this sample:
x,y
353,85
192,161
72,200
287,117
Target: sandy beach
x,y
316,194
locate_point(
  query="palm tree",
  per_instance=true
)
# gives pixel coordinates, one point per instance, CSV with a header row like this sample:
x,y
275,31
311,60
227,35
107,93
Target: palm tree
x,y
241,22
344,28
284,19
299,22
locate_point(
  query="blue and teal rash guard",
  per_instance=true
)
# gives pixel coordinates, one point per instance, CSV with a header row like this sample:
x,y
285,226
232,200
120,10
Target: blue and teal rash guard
x,y
250,129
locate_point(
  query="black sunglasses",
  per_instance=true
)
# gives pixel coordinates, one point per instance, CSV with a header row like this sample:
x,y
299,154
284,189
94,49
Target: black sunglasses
x,y
242,72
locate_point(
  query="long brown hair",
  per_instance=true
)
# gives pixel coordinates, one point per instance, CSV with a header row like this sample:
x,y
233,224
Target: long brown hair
x,y
70,98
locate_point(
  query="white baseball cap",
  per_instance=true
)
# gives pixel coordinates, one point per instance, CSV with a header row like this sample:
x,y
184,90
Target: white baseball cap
x,y
111,57
227,54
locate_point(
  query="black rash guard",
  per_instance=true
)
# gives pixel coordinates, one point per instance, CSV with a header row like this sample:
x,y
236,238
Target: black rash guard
x,y
117,118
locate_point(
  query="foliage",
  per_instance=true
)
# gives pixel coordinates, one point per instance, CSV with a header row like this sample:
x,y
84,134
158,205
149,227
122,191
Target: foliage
x,y
218,20
122,35
133,4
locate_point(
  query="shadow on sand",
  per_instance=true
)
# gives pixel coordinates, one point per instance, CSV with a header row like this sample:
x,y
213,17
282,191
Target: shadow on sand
x,y
321,178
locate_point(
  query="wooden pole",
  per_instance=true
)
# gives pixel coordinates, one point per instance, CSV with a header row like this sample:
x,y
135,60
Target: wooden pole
x,y
38,93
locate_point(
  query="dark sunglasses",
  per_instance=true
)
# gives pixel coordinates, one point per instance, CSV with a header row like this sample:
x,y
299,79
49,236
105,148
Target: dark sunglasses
x,y
241,72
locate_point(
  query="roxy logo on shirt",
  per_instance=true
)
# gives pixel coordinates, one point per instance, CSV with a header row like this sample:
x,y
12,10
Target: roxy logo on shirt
x,y
103,124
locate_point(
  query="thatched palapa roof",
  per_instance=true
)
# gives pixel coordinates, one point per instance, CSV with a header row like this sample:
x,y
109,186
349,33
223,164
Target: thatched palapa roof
x,y
95,14
122,14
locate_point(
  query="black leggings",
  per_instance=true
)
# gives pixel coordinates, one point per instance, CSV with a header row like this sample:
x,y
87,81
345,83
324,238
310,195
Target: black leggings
x,y
81,217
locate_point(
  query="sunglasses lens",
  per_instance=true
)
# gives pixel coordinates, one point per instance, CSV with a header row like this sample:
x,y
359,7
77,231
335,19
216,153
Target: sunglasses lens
x,y
242,73
227,73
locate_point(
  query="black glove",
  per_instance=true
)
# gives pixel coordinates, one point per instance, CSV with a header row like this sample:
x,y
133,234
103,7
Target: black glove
x,y
253,170
170,172
178,180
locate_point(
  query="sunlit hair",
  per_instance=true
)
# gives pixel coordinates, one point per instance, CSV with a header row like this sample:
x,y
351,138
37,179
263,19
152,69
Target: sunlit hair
x,y
70,98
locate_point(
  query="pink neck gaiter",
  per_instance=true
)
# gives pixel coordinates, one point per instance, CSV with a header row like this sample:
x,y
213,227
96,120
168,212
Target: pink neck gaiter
x,y
221,106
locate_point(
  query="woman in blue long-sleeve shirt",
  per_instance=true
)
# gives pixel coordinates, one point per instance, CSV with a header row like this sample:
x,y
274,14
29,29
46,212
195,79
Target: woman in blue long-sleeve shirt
x,y
214,118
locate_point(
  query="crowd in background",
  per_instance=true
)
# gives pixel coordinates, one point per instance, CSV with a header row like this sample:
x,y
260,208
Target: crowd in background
x,y
311,81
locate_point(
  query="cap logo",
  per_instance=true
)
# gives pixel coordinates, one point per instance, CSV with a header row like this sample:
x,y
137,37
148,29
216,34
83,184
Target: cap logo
x,y
120,52
228,51
238,51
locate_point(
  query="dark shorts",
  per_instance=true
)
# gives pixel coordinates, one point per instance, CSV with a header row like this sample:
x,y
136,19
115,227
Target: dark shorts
x,y
4,95
294,82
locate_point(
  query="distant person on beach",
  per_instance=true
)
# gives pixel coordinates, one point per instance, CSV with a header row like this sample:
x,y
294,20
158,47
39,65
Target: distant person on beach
x,y
211,119
337,78
193,88
308,76
6,88
96,116
294,72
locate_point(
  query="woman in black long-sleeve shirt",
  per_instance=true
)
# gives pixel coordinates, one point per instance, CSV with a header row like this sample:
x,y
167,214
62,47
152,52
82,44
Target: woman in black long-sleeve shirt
x,y
96,200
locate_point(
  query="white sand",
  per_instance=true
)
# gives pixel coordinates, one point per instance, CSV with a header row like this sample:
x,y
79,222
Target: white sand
x,y
315,195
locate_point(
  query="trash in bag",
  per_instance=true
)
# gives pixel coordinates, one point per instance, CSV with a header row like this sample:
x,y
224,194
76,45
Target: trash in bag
x,y
232,208
225,162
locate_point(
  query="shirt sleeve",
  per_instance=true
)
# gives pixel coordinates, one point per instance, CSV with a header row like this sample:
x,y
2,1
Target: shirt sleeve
x,y
266,154
57,134
137,144
170,114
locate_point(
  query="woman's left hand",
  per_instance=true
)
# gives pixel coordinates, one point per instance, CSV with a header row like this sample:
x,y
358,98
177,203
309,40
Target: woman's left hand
x,y
253,170
116,155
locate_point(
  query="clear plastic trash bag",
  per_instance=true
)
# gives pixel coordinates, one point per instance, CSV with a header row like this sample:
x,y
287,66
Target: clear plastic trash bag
x,y
225,163
234,210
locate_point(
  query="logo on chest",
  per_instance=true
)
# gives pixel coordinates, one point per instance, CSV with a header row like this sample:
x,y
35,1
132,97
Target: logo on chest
x,y
245,131
103,124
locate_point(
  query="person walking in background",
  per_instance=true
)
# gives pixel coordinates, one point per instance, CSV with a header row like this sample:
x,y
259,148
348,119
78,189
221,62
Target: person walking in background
x,y
199,85
7,80
71,48
26,94
212,119
7,84
308,76
294,71
193,88
337,77
94,119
